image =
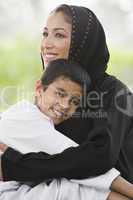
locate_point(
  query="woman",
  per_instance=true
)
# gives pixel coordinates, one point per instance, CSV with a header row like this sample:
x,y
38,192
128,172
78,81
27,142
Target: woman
x,y
102,130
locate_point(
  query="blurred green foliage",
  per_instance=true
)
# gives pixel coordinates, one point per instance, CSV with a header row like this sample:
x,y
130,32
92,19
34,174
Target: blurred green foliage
x,y
20,67
121,65
19,62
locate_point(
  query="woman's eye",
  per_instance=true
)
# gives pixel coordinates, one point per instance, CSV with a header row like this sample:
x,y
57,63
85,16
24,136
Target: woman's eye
x,y
59,35
45,34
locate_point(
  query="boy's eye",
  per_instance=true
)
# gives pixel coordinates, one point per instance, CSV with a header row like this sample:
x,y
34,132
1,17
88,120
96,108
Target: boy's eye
x,y
76,102
59,35
60,94
45,34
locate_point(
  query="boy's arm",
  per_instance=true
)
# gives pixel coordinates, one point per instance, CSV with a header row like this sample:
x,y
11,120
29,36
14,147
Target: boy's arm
x,y
123,187
73,162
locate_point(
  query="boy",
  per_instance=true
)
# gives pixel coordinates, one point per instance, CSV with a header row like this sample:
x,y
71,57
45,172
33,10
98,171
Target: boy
x,y
30,128
57,96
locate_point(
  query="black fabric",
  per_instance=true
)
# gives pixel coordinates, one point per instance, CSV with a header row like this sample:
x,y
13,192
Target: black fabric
x,y
104,132
88,46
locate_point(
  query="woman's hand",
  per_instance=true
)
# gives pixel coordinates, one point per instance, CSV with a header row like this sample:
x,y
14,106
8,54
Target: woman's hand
x,y
3,147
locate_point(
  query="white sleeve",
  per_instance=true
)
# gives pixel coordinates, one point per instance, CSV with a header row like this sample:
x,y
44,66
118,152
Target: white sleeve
x,y
33,133
103,181
28,130
58,142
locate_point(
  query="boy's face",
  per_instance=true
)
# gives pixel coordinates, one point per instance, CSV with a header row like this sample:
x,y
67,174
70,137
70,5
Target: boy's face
x,y
59,100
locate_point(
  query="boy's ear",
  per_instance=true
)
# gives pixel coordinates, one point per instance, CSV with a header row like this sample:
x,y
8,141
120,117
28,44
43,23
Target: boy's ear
x,y
38,87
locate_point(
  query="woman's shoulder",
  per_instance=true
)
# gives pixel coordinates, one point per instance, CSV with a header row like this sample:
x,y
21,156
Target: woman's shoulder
x,y
113,83
118,95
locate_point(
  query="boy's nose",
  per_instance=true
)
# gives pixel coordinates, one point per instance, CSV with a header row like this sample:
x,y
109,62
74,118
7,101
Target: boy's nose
x,y
65,104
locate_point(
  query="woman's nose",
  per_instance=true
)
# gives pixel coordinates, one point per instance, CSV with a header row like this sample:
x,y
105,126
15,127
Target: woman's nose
x,y
47,43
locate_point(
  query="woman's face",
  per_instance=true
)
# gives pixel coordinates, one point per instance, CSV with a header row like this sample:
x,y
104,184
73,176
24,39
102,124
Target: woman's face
x,y
56,38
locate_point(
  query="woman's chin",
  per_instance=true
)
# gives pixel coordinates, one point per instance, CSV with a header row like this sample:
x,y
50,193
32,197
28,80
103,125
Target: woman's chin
x,y
46,63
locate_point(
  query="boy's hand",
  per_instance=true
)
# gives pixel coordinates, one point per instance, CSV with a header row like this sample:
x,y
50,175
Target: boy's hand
x,y
3,147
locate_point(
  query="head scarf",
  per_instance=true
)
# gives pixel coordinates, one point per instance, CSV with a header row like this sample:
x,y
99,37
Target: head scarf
x,y
89,49
88,42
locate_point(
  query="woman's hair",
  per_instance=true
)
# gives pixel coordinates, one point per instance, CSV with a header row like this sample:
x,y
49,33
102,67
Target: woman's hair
x,y
65,69
65,9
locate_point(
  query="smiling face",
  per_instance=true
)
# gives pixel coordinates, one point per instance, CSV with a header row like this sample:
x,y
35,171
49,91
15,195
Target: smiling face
x,y
59,100
56,38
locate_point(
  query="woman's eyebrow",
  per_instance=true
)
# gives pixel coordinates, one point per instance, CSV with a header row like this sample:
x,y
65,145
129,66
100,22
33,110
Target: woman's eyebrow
x,y
56,29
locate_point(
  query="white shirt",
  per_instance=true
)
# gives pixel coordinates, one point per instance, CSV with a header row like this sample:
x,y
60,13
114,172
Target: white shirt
x,y
25,128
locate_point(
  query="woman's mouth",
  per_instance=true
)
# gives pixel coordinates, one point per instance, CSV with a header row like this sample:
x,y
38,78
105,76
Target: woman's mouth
x,y
49,57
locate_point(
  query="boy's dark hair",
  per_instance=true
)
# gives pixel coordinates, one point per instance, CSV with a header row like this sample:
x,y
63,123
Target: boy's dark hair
x,y
66,69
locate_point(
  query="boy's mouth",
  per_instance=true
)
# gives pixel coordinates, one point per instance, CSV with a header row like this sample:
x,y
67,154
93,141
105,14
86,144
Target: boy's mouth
x,y
58,114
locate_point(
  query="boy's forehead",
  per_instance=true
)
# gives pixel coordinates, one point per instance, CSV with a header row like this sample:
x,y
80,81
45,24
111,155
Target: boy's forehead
x,y
68,86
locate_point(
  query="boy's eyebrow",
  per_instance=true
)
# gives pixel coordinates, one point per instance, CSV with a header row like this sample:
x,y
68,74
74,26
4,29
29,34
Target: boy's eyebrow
x,y
62,90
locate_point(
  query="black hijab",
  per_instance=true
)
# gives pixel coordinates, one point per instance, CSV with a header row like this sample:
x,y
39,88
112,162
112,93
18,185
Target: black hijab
x,y
88,42
89,49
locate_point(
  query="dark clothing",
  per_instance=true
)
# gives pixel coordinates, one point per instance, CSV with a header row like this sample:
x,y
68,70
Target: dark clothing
x,y
105,136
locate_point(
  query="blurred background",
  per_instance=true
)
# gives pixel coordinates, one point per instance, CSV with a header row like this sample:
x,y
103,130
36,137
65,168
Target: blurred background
x,y
21,25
